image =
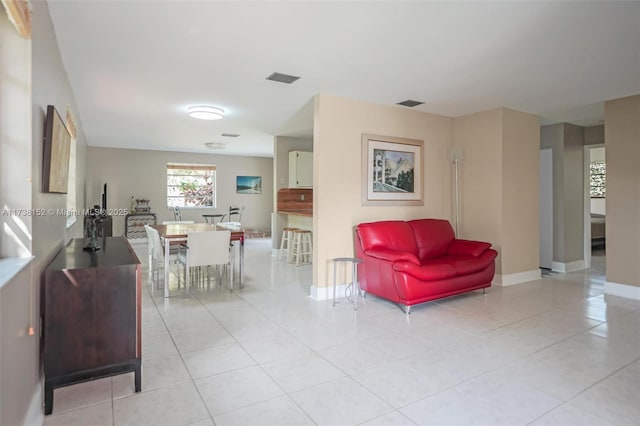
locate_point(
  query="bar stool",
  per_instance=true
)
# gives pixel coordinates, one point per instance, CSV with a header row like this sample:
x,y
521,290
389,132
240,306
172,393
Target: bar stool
x,y
302,247
353,286
286,242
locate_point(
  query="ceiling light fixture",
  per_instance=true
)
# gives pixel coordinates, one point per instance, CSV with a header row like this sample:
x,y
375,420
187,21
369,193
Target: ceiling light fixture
x,y
215,145
205,112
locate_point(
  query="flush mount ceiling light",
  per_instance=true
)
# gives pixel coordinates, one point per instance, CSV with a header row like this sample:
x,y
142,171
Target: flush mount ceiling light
x,y
215,145
205,112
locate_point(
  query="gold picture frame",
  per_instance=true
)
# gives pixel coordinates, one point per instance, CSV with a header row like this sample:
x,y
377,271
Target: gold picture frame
x,y
392,171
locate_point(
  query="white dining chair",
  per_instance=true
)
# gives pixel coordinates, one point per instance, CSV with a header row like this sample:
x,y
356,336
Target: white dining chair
x,y
156,256
173,250
207,248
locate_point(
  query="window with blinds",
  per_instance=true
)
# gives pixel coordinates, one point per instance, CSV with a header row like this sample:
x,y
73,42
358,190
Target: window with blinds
x,y
191,185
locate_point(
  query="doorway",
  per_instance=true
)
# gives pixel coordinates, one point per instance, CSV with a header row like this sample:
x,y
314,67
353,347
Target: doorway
x,y
595,208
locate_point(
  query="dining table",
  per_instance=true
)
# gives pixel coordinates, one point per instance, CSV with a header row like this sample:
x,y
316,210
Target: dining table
x,y
176,233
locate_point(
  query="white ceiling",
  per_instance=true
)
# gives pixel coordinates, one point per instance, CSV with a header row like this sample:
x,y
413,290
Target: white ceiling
x,y
135,66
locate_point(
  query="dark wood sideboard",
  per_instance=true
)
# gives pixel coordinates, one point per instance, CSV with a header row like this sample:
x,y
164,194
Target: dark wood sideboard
x,y
91,309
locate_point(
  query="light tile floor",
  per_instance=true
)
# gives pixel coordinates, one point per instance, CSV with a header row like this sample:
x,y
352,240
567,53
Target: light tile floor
x,y
555,351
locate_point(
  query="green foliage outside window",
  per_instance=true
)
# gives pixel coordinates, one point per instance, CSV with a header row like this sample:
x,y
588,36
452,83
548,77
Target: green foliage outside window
x,y
191,185
598,179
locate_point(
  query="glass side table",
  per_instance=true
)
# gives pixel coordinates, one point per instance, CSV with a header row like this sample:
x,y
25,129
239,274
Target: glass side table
x,y
352,287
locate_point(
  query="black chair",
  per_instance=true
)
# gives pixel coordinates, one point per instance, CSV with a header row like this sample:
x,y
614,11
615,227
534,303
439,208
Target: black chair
x,y
177,214
235,214
214,218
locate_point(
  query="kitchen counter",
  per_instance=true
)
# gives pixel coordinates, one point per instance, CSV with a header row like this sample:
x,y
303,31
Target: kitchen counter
x,y
308,213
295,201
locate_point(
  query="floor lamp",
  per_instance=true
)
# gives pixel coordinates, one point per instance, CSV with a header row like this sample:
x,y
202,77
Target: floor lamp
x,y
456,159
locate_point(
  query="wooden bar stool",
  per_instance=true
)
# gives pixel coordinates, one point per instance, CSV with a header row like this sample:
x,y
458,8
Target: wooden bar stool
x,y
302,252
286,243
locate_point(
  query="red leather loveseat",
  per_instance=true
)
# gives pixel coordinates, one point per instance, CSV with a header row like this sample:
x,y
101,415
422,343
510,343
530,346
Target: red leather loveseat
x,y
420,260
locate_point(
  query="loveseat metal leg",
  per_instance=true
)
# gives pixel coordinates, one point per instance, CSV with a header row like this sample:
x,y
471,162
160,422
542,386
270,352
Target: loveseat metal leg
x,y
484,291
407,309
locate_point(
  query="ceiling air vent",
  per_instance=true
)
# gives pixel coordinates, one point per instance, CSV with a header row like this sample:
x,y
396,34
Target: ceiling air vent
x,y
230,135
282,78
409,103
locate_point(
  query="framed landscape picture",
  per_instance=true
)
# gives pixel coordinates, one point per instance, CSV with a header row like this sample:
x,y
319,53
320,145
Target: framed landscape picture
x,y
392,171
249,184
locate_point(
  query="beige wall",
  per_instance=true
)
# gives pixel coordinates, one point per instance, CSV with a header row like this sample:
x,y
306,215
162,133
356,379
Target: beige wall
x,y
338,127
499,185
573,197
567,142
520,187
594,135
553,136
15,139
44,83
622,133
143,174
478,138
19,373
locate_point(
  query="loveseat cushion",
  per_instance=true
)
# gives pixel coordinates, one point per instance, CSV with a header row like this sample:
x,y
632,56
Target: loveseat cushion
x,y
467,248
392,255
446,266
391,234
465,265
433,272
433,237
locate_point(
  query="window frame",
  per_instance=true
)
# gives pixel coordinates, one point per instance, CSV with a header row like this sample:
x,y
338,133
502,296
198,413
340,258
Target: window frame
x,y
200,167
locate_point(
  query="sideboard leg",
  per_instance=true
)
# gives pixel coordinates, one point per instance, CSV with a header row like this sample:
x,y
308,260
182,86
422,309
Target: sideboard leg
x,y
138,377
48,398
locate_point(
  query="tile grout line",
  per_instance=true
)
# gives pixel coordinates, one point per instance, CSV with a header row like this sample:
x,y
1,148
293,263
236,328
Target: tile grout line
x,y
181,357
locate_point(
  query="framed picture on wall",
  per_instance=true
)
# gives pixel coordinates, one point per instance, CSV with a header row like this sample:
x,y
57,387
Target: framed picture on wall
x,y
55,153
249,184
392,171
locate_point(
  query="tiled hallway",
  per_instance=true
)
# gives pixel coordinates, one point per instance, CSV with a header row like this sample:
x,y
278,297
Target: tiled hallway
x,y
553,351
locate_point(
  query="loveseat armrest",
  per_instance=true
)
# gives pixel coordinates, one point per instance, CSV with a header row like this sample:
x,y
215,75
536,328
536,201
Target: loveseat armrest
x,y
392,255
467,248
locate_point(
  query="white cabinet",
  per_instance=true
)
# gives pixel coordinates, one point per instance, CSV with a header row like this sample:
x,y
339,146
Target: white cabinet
x,y
300,169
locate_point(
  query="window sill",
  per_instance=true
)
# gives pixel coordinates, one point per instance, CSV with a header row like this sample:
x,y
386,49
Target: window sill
x,y
10,266
71,221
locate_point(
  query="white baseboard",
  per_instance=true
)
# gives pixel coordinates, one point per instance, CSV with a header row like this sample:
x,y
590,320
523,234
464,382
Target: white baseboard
x,y
517,278
622,290
326,293
568,267
35,415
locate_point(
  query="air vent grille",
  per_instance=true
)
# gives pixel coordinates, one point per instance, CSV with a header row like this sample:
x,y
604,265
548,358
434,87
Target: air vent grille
x,y
282,78
230,135
409,103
